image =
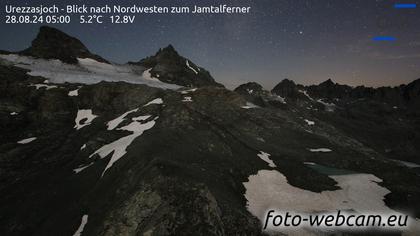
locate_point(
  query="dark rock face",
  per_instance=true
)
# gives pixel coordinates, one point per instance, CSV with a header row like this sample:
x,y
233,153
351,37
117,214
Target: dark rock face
x,y
51,43
289,90
254,93
168,66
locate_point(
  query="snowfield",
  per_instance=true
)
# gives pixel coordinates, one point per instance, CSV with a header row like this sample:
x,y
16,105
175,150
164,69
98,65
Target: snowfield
x,y
269,189
88,71
146,75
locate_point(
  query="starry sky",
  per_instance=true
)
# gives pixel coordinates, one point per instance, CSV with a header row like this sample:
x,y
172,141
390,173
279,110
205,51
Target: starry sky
x,y
307,41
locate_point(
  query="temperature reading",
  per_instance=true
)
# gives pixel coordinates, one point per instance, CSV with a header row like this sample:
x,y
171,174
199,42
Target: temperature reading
x,y
91,19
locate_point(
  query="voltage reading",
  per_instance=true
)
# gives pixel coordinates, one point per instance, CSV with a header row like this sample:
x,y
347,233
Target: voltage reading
x,y
125,19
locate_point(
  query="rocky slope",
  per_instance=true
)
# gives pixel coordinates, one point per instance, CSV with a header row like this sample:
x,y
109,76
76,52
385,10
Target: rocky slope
x,y
175,69
51,43
117,158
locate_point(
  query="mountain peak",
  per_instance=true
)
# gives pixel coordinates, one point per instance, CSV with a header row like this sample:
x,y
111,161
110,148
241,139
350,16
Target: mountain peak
x,y
51,43
176,69
168,54
287,82
328,82
169,48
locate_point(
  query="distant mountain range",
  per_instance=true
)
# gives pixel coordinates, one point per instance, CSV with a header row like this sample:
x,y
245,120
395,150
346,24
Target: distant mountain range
x,y
158,147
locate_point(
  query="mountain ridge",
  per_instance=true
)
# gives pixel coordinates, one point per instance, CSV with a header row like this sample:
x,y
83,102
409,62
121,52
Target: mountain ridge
x,y
48,44
51,43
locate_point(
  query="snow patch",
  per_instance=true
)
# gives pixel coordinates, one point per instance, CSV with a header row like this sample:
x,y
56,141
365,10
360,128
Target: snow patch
x,y
187,99
188,91
261,139
281,99
309,163
74,93
82,226
14,113
266,157
154,101
306,94
309,122
115,122
80,169
87,71
320,150
188,65
39,86
329,107
408,164
118,148
269,189
250,105
26,141
141,118
84,117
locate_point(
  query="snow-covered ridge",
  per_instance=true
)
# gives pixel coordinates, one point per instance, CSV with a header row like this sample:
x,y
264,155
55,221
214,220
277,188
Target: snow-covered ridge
x,y
87,71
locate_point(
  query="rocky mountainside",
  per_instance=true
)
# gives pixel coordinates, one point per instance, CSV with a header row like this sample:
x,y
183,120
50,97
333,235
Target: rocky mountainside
x,y
149,157
175,69
51,43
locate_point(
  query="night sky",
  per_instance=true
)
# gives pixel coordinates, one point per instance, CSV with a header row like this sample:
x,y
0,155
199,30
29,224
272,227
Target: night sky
x,y
306,41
